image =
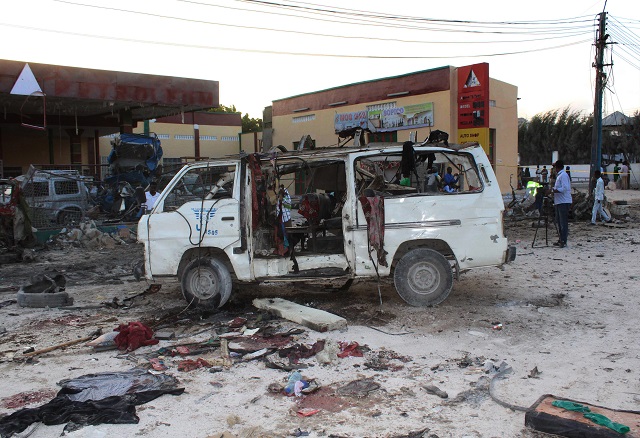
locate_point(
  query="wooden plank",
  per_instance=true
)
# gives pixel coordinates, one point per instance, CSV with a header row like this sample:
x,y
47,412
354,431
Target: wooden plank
x,y
315,319
544,417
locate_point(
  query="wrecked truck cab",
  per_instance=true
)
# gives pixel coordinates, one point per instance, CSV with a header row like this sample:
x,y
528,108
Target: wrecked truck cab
x,y
383,210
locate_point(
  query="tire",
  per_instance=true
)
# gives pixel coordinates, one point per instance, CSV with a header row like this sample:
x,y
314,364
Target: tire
x,y
56,299
206,283
423,277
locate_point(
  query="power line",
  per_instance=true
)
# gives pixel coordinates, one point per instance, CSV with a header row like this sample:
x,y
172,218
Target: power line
x,y
361,22
275,52
190,20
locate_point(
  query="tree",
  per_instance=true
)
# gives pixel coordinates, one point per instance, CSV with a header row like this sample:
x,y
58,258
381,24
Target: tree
x,y
223,109
566,131
248,124
251,124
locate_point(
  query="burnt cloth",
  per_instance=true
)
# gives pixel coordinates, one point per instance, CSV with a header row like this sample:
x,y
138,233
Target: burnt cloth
x,y
373,208
60,410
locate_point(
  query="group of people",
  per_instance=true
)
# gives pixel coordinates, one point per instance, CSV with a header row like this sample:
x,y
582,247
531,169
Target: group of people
x,y
449,183
621,175
562,200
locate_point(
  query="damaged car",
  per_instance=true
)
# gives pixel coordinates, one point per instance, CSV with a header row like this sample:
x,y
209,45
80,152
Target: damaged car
x,y
340,214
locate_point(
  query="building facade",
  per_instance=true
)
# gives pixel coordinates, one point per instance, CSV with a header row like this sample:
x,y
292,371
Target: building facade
x,y
464,102
196,135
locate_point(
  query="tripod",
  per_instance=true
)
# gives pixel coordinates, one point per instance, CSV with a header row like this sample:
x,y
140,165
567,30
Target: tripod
x,y
545,205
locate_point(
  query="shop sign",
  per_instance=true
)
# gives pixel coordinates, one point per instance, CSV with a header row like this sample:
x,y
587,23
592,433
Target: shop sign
x,y
473,96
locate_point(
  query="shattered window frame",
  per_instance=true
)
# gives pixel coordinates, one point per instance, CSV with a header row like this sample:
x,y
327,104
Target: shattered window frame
x,y
66,187
463,163
36,189
192,187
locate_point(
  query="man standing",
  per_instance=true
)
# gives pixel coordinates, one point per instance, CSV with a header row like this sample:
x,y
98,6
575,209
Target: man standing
x,y
599,195
152,196
562,200
544,174
451,180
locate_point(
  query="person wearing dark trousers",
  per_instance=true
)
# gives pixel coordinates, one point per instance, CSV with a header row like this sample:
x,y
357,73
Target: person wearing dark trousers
x,y
562,200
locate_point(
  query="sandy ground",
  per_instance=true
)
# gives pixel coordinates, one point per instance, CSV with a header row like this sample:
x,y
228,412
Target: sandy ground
x,y
571,313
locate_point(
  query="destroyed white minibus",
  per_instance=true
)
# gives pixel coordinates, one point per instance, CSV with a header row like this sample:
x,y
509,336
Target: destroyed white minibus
x,y
343,213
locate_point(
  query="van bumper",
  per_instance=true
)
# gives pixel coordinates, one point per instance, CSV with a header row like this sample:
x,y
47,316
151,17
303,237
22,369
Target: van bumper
x,y
510,254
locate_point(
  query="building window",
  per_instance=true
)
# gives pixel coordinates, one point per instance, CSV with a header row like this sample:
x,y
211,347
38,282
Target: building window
x,y
183,137
381,106
303,119
163,136
229,138
209,137
492,103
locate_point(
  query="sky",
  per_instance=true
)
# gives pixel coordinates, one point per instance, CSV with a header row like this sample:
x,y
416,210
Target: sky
x,y
261,51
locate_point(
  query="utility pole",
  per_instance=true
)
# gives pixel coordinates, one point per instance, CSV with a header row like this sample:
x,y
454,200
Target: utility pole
x,y
601,80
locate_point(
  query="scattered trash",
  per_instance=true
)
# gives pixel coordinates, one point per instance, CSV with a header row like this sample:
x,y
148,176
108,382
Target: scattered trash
x,y
432,389
349,349
256,354
358,388
329,353
299,432
295,384
64,344
307,412
157,364
164,335
190,364
183,350
133,336
497,326
534,373
562,417
7,303
106,341
237,322
315,319
26,398
94,399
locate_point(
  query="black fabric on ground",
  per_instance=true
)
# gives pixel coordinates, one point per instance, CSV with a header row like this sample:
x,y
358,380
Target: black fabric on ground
x,y
101,398
60,410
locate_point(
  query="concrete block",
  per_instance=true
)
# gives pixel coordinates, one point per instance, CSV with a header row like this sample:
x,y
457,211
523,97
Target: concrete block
x,y
315,319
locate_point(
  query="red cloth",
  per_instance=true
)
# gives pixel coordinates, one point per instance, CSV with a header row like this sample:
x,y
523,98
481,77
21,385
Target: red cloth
x,y
373,209
349,349
190,364
133,336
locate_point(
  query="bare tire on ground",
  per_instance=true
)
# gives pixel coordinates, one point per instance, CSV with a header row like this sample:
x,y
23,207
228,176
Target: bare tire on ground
x,y
55,299
206,283
423,277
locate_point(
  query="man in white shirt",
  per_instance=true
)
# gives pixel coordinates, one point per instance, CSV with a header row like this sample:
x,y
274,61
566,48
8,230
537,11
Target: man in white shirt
x,y
599,195
152,195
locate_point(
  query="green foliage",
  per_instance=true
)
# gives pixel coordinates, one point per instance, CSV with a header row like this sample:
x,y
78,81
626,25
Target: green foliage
x,y
223,109
569,132
565,131
250,124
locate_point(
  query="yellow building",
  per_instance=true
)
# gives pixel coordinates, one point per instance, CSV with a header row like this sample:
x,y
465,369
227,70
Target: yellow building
x,y
463,102
197,135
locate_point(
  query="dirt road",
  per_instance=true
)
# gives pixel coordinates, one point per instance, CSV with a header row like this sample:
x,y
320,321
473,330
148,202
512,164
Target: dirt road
x,y
570,313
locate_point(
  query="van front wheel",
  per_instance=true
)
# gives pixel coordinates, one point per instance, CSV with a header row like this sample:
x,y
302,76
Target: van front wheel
x,y
206,283
423,277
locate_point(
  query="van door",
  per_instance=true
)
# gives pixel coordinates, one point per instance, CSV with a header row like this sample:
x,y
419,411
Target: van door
x,y
199,208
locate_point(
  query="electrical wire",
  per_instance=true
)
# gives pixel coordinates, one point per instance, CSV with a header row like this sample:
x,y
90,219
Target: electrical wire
x,y
369,38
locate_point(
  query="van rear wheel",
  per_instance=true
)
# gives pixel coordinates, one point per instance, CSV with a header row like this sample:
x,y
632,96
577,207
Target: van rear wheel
x,y
206,283
423,277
